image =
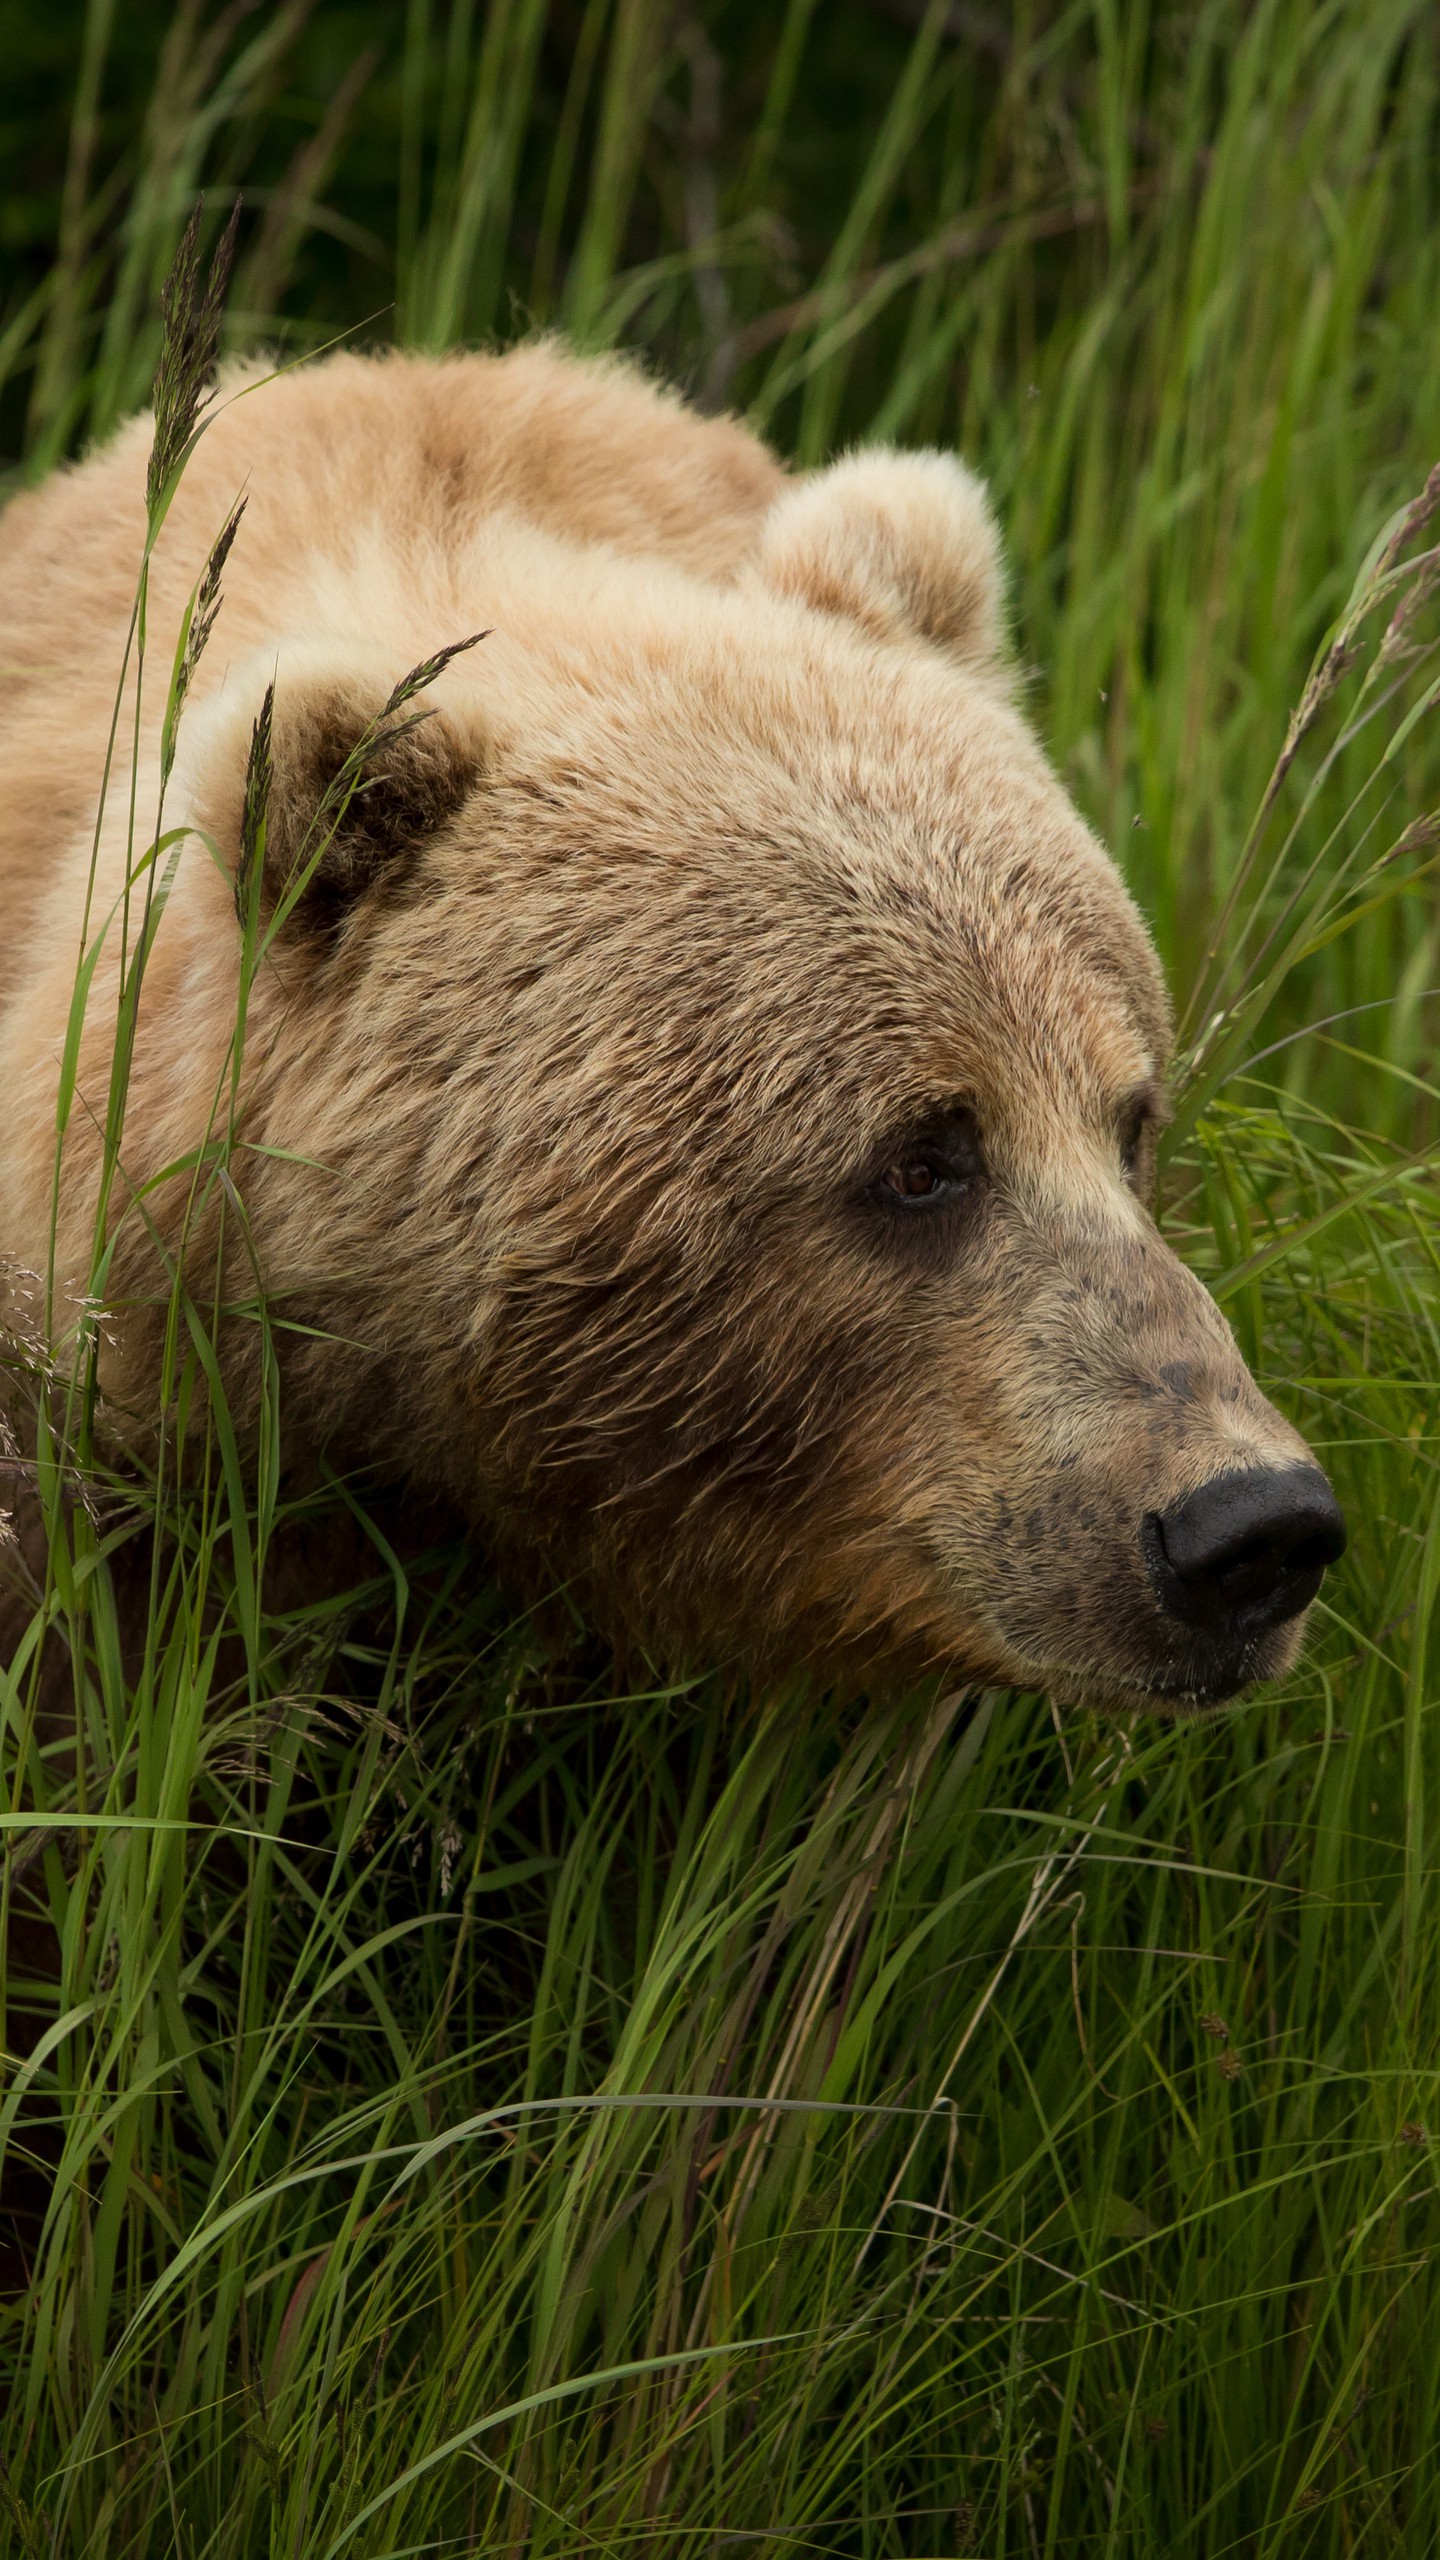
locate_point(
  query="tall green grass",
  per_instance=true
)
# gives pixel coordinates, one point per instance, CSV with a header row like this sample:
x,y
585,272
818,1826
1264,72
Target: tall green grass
x,y
474,2109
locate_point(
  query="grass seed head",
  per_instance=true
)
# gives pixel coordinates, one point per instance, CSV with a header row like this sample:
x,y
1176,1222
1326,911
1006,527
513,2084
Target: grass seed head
x,y
259,767
191,312
420,679
208,600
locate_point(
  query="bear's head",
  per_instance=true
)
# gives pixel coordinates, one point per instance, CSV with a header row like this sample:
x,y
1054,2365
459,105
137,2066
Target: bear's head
x,y
705,1101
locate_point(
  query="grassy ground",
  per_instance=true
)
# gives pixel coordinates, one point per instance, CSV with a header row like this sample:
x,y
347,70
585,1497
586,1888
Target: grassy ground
x,y
485,2111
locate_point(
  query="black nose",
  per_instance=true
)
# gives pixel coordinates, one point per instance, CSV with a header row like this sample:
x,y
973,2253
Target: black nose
x,y
1245,1552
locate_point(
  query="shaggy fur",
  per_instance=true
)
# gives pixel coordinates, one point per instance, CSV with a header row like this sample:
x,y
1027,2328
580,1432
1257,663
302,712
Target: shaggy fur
x,y
724,870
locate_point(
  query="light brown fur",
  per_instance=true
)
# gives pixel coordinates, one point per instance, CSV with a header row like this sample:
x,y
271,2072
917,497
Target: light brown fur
x,y
724,861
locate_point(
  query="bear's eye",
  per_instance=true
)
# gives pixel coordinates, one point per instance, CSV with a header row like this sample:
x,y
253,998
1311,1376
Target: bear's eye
x,y
934,1165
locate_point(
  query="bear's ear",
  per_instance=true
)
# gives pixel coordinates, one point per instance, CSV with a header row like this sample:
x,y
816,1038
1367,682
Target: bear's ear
x,y
327,770
902,543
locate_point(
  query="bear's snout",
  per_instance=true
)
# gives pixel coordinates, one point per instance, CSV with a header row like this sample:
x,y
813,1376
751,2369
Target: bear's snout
x,y
1155,1528
1245,1552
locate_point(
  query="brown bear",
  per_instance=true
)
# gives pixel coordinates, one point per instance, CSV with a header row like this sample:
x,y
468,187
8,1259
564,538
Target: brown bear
x,y
697,1114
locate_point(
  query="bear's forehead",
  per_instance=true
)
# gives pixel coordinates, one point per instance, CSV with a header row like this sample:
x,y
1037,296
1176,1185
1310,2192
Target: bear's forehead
x,y
827,854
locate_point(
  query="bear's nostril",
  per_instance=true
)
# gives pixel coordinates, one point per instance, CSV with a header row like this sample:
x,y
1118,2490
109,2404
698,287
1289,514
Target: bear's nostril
x,y
1246,1551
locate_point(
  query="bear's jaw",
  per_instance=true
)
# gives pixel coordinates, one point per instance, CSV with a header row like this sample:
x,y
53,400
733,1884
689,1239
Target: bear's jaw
x,y
1187,1699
